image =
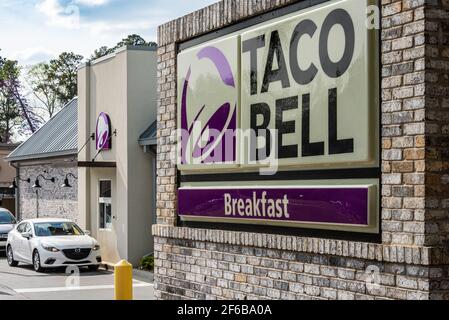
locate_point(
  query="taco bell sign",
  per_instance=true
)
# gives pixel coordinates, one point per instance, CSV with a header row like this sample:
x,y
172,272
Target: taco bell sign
x,y
103,132
300,90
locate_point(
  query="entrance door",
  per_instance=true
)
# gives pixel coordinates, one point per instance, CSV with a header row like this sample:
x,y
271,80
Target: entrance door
x,y
109,233
105,205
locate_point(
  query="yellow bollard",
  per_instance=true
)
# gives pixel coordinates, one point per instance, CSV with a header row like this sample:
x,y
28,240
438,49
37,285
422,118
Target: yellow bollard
x,y
123,279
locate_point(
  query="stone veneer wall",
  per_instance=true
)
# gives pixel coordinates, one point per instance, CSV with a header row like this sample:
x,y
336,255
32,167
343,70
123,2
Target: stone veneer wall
x,y
51,200
412,260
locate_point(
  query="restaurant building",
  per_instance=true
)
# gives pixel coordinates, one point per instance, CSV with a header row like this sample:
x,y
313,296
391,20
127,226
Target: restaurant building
x,y
116,177
302,151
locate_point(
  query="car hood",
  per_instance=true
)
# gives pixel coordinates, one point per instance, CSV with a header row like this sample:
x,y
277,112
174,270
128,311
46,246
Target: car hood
x,y
69,241
5,228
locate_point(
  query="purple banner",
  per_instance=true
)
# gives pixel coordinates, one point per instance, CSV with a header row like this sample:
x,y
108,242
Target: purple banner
x,y
348,206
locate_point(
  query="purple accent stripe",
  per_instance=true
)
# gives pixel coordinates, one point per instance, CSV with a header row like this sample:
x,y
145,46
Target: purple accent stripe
x,y
184,125
310,205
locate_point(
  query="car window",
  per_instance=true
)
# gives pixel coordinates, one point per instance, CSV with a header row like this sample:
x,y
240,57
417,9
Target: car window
x,y
20,228
6,217
27,227
49,229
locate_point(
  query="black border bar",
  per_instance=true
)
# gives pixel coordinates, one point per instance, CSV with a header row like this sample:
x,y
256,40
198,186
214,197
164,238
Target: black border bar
x,y
331,174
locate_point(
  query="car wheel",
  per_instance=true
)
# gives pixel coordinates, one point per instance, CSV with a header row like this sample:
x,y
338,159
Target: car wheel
x,y
10,257
37,261
94,268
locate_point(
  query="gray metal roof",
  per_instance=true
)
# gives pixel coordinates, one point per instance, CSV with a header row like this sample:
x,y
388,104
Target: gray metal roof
x,y
149,137
58,137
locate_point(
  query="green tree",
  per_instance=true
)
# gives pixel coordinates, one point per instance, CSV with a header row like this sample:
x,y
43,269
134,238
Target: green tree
x,y
9,117
100,52
64,71
43,88
131,40
54,84
134,40
14,108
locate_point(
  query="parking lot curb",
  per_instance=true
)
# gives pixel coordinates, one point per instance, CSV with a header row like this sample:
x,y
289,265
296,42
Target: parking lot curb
x,y
147,275
144,274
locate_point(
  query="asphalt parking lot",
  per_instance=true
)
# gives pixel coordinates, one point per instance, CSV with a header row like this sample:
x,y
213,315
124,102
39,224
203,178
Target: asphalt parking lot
x,y
22,283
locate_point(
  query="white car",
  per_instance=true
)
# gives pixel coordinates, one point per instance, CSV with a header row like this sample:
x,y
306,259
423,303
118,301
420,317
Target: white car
x,y
7,222
51,243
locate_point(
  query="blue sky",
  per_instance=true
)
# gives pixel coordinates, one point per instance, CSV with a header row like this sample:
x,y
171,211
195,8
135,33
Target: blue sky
x,y
32,31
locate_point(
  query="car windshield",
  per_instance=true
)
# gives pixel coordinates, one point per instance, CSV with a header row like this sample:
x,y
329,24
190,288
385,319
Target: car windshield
x,y
6,218
52,229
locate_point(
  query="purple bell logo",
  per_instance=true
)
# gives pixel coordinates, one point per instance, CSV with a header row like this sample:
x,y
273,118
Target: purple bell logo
x,y
103,132
209,139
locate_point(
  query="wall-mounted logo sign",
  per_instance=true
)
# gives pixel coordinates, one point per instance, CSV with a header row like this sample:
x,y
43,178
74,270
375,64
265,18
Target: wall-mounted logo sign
x,y
301,90
103,132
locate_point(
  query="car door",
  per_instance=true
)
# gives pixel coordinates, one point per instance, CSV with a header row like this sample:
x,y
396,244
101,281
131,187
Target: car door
x,y
26,244
16,241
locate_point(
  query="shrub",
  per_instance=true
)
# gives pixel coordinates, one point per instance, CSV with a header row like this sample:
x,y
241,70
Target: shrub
x,y
147,263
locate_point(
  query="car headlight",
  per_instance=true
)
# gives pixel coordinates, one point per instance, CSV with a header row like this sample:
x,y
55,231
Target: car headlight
x,y
50,248
96,247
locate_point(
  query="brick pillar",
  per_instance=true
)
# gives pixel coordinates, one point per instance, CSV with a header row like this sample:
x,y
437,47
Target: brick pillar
x,y
403,123
166,124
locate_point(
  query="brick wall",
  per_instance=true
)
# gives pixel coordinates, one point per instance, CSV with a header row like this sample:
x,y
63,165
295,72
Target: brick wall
x,y
51,200
412,260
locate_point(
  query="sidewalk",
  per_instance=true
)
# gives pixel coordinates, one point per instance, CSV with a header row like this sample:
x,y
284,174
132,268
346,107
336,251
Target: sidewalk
x,y
9,294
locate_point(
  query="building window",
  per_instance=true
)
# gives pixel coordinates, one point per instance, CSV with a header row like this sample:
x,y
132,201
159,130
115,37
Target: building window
x,y
105,202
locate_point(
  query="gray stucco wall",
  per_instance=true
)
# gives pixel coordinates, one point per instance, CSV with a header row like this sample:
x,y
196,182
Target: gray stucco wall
x,y
51,200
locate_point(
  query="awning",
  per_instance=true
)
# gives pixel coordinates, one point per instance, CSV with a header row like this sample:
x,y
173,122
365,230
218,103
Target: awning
x,y
148,139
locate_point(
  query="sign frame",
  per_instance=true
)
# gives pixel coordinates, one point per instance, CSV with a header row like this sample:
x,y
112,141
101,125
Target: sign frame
x,y
248,175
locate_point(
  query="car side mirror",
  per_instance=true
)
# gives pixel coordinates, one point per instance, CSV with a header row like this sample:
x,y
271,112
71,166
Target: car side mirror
x,y
27,235
87,233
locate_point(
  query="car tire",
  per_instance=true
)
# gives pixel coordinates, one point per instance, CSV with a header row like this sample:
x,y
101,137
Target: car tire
x,y
94,268
37,262
10,257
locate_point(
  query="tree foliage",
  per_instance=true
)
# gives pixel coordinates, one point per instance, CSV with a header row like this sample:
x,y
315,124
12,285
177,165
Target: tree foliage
x,y
43,88
54,84
9,116
15,112
64,69
131,40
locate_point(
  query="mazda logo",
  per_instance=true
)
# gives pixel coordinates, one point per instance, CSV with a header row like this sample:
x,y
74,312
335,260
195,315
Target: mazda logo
x,y
77,250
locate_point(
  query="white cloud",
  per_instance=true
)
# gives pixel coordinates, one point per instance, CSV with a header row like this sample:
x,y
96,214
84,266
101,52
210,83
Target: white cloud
x,y
50,29
58,15
11,3
69,18
91,3
103,27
